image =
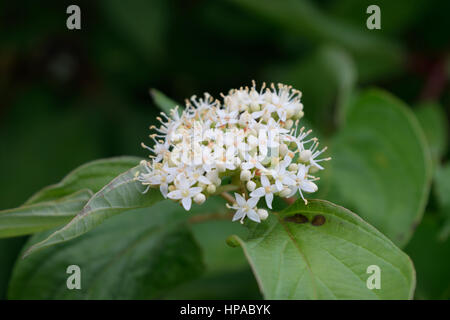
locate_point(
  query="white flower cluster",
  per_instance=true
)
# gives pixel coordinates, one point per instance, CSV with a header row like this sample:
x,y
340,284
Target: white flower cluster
x,y
250,142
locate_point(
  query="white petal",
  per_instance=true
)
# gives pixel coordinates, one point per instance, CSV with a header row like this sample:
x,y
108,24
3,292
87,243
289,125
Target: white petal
x,y
247,166
240,200
258,193
253,216
301,171
175,195
186,203
204,180
308,186
279,185
252,202
238,215
269,199
164,188
288,181
265,181
257,114
194,191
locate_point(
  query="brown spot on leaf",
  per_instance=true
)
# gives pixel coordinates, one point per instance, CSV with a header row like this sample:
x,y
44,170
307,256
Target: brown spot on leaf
x,y
318,220
296,218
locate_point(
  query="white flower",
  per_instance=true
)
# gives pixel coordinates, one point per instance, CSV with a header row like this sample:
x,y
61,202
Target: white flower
x,y
252,161
184,192
245,208
282,176
267,190
224,117
251,138
315,153
302,183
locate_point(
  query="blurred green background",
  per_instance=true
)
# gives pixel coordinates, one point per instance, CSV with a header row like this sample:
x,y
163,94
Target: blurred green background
x,y
71,96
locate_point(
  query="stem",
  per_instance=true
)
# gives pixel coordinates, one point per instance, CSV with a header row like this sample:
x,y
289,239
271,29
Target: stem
x,y
289,201
228,197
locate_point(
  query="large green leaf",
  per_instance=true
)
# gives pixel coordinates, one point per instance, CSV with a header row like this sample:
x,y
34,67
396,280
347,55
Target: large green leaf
x,y
41,216
432,118
9,251
381,165
92,175
227,273
442,192
121,194
442,186
140,255
431,257
322,251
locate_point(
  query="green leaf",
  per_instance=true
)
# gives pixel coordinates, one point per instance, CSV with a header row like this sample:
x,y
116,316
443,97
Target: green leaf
x,y
431,259
381,165
432,118
121,194
9,251
322,251
41,216
442,192
163,102
442,186
140,255
93,176
227,273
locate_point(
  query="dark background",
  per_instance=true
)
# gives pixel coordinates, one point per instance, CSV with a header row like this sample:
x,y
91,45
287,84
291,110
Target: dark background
x,y
71,96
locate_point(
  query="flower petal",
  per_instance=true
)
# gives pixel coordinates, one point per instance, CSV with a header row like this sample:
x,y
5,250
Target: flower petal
x,y
265,181
240,200
176,195
252,202
258,192
269,199
253,216
194,191
308,186
238,215
187,203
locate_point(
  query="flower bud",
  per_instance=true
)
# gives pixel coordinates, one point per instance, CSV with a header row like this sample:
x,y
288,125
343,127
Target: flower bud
x,y
289,123
211,189
251,186
263,214
245,175
221,167
293,167
199,198
305,155
254,107
313,169
217,182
